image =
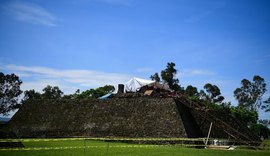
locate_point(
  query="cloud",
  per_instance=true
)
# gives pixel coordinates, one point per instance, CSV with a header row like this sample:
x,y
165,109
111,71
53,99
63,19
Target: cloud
x,y
31,13
196,72
68,80
265,58
144,69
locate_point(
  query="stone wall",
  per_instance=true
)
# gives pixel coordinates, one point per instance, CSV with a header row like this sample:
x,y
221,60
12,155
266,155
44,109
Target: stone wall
x,y
117,117
122,117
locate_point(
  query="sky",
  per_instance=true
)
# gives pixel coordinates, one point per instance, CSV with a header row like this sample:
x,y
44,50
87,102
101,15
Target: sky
x,y
83,44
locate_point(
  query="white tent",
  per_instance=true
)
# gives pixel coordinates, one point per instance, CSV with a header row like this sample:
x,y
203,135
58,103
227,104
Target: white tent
x,y
135,84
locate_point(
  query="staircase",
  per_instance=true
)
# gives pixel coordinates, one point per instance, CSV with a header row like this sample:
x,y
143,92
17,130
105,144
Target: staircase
x,y
230,125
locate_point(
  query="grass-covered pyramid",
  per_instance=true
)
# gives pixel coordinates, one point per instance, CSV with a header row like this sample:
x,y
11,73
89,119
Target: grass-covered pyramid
x,y
124,117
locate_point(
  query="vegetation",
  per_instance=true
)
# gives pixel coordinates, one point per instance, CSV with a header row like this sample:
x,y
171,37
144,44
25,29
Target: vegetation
x,y
94,93
102,148
49,92
168,76
246,116
155,77
9,92
53,92
191,91
249,95
31,94
260,130
214,94
266,105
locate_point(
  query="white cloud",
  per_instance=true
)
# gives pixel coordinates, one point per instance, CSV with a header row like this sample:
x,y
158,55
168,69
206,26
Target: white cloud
x,y
31,13
144,69
68,80
196,72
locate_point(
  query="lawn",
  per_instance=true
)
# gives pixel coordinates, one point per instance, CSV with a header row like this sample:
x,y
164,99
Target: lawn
x,y
102,148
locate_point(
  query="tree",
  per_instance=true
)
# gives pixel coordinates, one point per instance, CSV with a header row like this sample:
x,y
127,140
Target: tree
x,y
168,75
191,91
90,93
155,77
9,92
214,94
72,96
249,95
266,105
106,89
260,130
247,117
31,94
95,93
202,95
264,122
51,92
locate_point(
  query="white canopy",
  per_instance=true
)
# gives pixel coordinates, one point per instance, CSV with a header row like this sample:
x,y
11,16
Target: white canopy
x,y
136,83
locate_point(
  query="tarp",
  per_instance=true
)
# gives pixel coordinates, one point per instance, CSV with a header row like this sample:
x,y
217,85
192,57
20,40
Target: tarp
x,y
135,84
104,97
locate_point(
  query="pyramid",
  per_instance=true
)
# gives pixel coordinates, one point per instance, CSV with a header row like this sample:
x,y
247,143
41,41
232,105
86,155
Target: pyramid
x,y
150,117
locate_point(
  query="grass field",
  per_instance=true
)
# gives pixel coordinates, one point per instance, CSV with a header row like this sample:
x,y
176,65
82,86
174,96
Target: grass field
x,y
101,148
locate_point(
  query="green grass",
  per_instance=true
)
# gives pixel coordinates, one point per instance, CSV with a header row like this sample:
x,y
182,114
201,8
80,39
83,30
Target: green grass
x,y
101,148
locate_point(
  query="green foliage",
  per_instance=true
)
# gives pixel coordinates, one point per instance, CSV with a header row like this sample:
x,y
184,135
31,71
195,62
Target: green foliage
x,y
91,93
203,95
266,144
260,130
168,75
212,95
72,96
248,117
51,92
249,95
95,93
31,94
266,105
106,89
155,77
264,122
191,91
9,92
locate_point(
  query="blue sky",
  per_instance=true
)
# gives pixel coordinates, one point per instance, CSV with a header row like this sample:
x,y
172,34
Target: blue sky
x,y
82,44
